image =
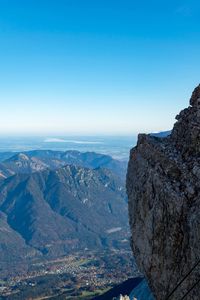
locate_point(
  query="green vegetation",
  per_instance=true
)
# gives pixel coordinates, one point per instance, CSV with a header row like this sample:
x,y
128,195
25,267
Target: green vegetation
x,y
81,276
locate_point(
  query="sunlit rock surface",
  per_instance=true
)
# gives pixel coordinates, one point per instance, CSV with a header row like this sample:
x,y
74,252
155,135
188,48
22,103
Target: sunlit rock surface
x,y
163,186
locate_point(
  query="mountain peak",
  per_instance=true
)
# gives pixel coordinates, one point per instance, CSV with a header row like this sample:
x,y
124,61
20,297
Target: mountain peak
x,y
163,189
186,131
195,98
23,156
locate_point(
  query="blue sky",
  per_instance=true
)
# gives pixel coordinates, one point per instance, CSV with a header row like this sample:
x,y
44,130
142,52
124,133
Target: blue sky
x,y
95,66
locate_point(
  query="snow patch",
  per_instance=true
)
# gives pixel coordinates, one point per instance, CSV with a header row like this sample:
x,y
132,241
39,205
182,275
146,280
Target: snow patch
x,y
115,229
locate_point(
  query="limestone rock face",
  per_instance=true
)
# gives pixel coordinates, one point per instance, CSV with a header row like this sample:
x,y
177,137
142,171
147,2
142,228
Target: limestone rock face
x,y
163,186
123,297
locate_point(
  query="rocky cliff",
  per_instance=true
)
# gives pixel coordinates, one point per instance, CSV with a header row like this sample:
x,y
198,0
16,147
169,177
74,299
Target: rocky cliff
x,y
163,186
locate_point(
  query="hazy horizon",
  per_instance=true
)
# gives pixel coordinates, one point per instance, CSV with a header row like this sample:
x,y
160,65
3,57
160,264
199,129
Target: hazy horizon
x,y
115,146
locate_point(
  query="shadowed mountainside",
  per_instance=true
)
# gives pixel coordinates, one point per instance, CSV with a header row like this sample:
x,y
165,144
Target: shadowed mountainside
x,y
52,212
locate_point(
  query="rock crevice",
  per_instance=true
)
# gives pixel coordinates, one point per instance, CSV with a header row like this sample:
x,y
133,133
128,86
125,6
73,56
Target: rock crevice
x,y
163,186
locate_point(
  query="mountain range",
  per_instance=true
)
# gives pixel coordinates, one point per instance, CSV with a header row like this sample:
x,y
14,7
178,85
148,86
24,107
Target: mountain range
x,y
39,160
52,203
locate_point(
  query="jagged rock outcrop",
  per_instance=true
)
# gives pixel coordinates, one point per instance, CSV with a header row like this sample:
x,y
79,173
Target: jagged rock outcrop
x,y
122,298
163,186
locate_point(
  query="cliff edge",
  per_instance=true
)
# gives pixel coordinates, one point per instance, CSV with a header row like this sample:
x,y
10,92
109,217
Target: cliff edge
x,y
163,186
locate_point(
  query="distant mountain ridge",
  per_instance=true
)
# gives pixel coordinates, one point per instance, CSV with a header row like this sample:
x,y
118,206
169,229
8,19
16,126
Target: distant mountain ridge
x,y
161,134
52,211
39,160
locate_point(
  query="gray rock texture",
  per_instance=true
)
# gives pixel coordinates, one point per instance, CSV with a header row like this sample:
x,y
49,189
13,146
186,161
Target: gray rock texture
x,y
163,186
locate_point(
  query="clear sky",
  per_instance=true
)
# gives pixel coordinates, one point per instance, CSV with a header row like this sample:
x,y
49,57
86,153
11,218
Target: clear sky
x,y
96,66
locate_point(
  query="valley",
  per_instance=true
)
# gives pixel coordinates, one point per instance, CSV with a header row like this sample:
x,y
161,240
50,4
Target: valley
x,y
63,223
80,275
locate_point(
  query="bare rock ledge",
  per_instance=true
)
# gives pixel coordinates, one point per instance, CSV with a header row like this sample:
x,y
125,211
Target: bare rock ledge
x,y
163,186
